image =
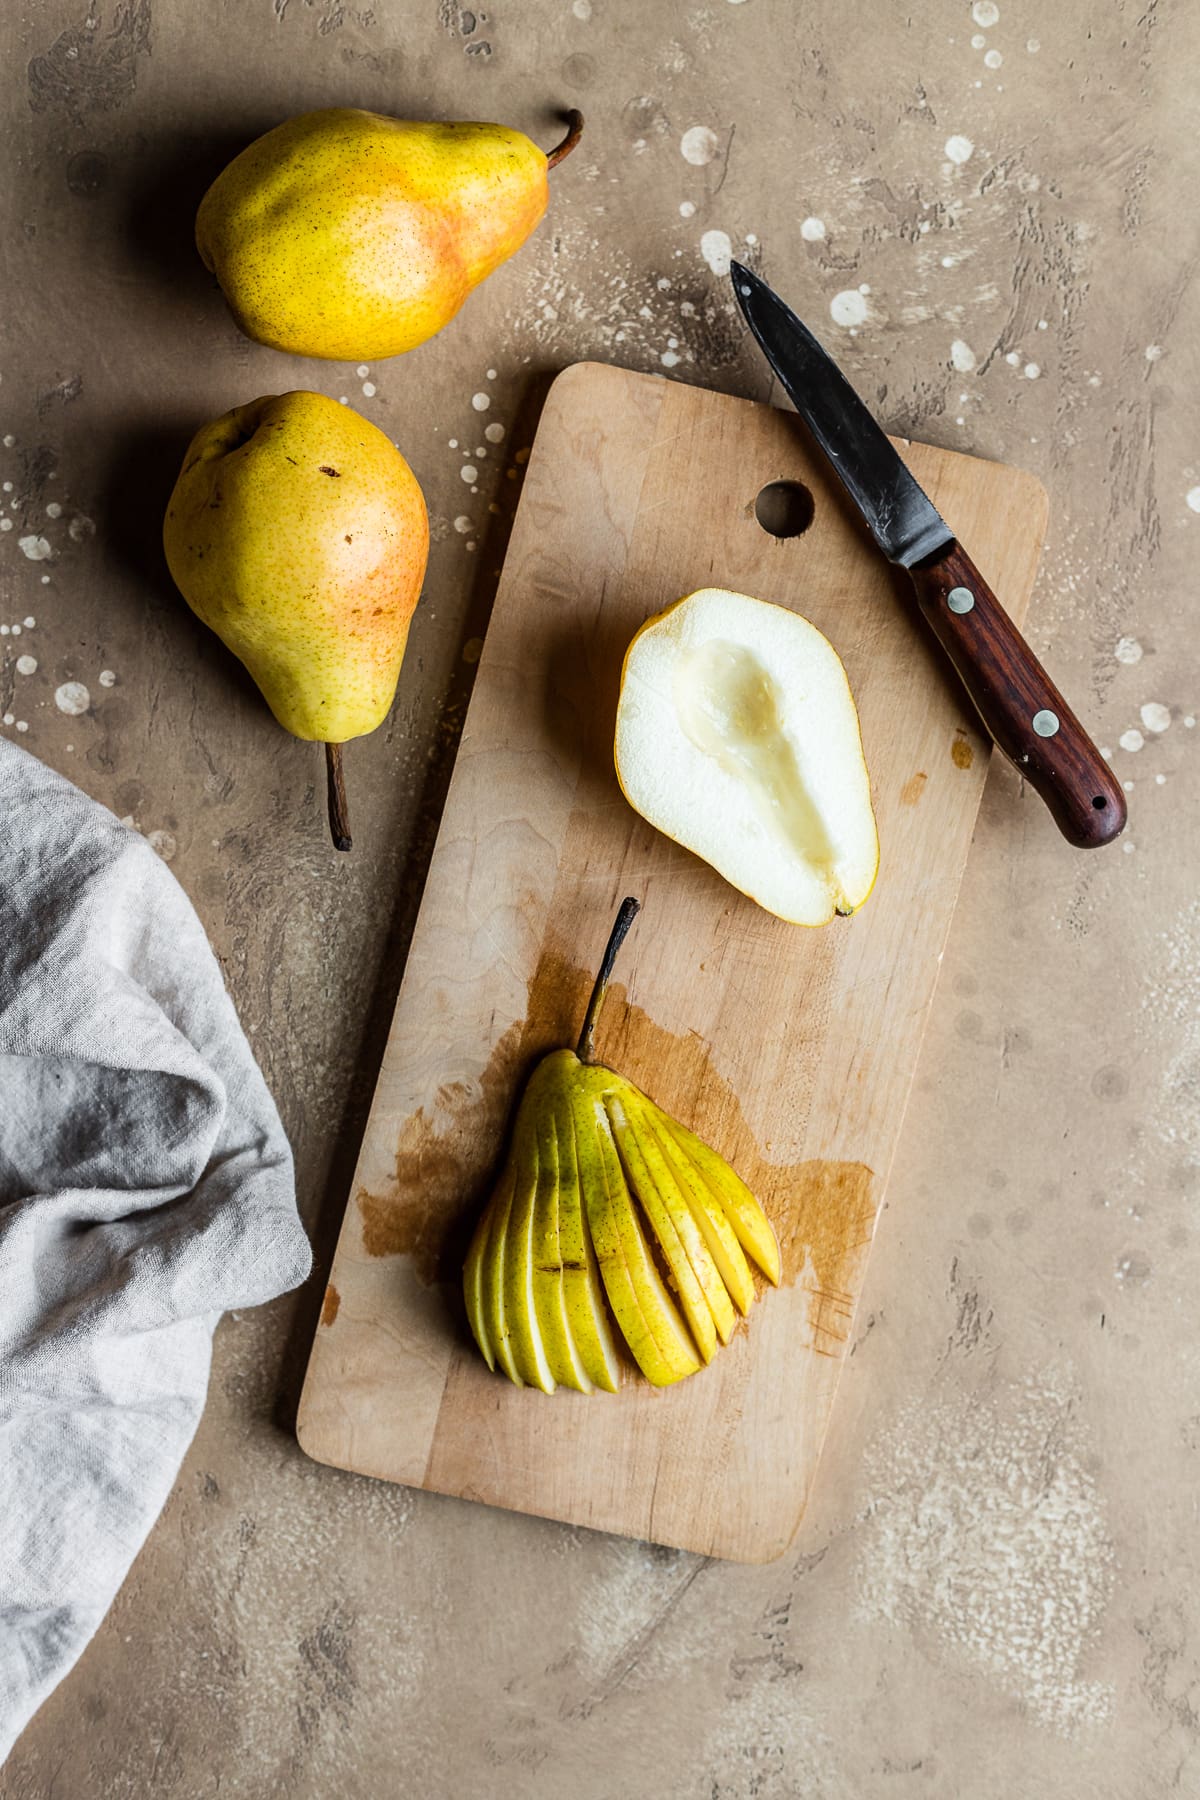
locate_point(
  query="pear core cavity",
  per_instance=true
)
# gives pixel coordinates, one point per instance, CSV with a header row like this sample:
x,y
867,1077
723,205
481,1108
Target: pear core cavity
x,y
731,709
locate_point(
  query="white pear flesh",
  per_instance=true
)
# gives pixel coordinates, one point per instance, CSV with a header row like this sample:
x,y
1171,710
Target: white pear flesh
x,y
737,735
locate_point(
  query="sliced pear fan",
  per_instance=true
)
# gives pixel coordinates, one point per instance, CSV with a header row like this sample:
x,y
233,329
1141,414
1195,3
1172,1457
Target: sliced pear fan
x,y
609,1210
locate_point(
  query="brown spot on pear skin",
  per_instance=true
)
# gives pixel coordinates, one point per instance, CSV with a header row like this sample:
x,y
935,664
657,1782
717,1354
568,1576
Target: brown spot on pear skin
x,y
961,753
913,788
329,1308
326,470
823,1211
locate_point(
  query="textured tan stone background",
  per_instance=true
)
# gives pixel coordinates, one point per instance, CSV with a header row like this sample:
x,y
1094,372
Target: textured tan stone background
x,y
995,1591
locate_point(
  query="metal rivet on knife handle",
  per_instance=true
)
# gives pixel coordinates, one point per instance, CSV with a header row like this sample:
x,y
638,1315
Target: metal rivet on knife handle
x,y
960,600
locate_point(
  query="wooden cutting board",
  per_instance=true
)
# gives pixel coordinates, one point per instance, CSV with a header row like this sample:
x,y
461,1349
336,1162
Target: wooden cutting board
x,y
791,1051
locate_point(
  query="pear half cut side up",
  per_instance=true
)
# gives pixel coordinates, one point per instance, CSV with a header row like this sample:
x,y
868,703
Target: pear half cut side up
x,y
608,1212
737,735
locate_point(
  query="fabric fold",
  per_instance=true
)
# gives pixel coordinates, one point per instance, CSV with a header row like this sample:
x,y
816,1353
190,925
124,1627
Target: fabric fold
x,y
146,1187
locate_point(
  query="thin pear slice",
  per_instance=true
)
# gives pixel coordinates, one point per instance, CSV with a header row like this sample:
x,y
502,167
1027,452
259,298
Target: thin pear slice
x,y
755,1233
643,1113
473,1287
520,1312
644,1311
583,1290
492,1275
708,1213
549,1295
652,1183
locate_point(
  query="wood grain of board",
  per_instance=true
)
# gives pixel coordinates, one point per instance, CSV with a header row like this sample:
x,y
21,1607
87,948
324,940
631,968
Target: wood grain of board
x,y
791,1051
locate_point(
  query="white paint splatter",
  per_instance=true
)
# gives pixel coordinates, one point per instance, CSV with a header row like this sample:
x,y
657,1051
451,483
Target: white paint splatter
x,y
469,472
582,9
993,59
1154,352
686,208
1131,740
986,13
22,724
362,371
462,524
812,230
849,307
107,678
978,41
959,149
717,250
1012,358
1033,46
986,1539
163,843
494,433
1128,650
6,524
698,145
72,698
54,510
1031,371
30,622
9,718
27,665
962,356
1193,499
368,388
669,359
9,440
35,548
1155,716
481,401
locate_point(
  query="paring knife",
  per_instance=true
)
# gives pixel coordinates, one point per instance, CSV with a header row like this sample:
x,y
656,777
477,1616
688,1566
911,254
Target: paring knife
x,y
1016,699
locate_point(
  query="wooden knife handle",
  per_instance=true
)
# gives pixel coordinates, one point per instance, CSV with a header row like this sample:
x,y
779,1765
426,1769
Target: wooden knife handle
x,y
1017,701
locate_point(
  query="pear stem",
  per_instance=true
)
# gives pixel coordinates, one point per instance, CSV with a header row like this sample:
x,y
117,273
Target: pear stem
x,y
339,812
574,133
585,1050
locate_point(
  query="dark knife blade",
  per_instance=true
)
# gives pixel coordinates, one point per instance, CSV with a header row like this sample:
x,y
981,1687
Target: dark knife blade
x,y
903,520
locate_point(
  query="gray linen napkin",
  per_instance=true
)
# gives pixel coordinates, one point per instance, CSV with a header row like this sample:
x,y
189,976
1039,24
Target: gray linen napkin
x,y
146,1186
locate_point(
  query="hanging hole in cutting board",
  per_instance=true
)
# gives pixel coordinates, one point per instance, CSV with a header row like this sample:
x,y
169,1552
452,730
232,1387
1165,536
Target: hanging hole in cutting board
x,y
785,508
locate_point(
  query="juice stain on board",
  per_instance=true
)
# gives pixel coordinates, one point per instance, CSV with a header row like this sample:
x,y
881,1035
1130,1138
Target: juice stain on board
x,y
823,1211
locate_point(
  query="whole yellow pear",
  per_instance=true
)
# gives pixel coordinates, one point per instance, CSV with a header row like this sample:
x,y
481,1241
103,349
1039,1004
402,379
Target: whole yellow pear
x,y
355,236
298,532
